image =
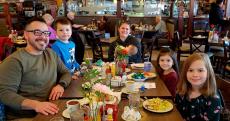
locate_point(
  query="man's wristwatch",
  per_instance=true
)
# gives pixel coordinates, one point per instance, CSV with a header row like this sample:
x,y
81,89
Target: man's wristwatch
x,y
62,84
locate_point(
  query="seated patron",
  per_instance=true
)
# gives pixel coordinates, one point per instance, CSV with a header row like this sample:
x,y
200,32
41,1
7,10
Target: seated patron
x,y
160,27
71,17
197,98
102,23
131,44
64,48
49,21
216,15
28,77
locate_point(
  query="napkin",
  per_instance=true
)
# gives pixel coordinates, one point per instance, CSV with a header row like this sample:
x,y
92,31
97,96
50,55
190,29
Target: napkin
x,y
118,95
147,85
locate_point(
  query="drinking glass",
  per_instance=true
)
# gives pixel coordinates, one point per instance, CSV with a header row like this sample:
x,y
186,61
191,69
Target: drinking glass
x,y
77,115
134,100
147,66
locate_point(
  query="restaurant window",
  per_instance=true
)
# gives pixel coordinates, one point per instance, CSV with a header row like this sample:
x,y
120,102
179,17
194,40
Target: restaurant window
x,y
201,8
186,4
100,7
146,7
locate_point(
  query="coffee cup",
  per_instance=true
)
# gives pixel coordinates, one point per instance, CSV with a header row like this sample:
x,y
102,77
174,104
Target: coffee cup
x,y
130,85
72,105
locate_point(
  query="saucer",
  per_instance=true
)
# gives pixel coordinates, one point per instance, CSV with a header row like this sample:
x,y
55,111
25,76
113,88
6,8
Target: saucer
x,y
127,91
123,117
65,113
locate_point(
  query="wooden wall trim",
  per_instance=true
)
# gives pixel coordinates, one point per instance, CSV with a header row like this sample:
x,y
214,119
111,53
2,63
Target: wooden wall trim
x,y
190,20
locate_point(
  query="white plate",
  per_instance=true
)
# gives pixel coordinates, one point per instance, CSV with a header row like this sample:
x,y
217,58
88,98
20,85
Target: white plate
x,y
199,37
127,70
169,108
65,114
138,65
122,116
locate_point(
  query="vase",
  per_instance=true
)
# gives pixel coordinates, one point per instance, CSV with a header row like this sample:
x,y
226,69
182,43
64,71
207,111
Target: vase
x,y
120,66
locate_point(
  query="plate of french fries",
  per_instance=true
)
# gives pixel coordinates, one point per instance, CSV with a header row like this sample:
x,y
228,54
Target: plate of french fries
x,y
158,105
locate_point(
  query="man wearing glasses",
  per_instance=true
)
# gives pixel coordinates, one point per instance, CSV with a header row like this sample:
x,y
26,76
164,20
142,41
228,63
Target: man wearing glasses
x,y
28,76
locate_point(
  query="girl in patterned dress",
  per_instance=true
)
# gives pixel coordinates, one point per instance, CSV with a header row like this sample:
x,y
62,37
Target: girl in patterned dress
x,y
197,98
167,68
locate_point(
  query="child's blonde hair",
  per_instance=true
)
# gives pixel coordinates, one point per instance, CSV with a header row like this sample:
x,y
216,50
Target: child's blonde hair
x,y
209,87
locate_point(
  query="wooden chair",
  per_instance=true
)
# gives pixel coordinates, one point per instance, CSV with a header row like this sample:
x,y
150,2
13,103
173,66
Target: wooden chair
x,y
79,46
148,34
147,48
223,85
199,44
96,46
226,68
220,58
227,59
181,51
200,27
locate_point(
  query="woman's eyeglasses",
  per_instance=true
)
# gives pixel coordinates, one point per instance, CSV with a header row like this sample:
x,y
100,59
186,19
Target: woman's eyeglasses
x,y
38,32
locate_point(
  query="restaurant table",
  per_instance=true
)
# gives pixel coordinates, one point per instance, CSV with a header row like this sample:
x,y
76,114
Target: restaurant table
x,y
208,44
173,115
73,91
108,41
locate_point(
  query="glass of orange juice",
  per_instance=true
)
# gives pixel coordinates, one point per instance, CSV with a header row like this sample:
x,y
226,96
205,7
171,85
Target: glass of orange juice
x,y
113,69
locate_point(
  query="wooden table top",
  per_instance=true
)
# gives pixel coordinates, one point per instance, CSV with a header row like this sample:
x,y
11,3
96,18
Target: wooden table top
x,y
74,91
108,41
173,115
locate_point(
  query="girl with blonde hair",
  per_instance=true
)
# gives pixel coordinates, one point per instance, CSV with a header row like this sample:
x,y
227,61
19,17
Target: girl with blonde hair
x,y
197,98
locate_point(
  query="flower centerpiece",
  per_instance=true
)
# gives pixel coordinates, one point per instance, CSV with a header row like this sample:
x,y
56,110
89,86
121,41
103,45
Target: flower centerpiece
x,y
90,77
213,33
95,92
121,59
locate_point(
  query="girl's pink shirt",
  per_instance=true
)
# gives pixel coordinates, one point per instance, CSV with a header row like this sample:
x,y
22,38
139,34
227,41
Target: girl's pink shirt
x,y
53,33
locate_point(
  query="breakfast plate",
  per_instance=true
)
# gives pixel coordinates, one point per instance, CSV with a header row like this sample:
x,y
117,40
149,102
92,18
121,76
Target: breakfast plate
x,y
149,75
138,77
157,105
